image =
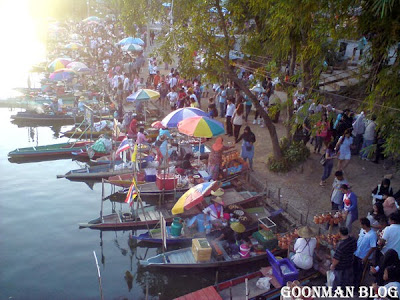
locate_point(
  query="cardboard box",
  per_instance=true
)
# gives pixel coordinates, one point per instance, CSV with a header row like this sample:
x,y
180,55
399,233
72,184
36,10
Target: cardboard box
x,y
201,250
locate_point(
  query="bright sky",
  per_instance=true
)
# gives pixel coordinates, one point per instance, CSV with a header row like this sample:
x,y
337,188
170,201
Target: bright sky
x,y
20,45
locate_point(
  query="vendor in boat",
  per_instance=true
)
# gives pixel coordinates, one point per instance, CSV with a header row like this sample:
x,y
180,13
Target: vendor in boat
x,y
132,129
141,137
215,157
216,210
304,248
164,131
186,166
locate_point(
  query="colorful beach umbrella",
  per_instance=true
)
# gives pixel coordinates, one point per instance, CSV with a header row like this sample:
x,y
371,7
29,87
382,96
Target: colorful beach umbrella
x,y
173,118
157,124
132,47
91,18
74,46
59,63
143,94
62,74
202,127
131,40
194,196
77,66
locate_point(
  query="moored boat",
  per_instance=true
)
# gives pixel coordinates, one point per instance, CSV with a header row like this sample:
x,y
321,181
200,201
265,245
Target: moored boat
x,y
127,220
46,151
184,258
97,172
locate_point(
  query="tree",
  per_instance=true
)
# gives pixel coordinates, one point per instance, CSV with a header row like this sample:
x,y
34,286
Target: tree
x,y
201,30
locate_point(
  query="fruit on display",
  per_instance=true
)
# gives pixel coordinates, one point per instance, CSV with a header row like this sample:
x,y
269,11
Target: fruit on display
x,y
285,240
330,218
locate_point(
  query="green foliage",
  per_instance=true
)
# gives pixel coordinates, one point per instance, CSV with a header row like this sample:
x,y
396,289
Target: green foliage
x,y
293,153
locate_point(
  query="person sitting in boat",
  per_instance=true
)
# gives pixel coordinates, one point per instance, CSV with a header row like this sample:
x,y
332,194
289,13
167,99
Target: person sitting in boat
x,y
132,129
227,237
164,131
304,248
186,166
141,137
54,106
216,210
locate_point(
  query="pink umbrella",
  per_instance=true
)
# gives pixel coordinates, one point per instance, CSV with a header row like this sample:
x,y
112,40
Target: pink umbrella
x,y
157,124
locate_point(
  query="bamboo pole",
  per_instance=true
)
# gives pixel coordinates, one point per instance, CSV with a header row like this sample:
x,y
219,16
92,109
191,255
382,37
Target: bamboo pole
x,y
98,275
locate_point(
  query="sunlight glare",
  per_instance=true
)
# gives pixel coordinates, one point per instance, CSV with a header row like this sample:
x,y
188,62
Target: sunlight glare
x,y
21,47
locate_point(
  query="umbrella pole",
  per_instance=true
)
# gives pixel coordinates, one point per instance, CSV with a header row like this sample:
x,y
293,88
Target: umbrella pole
x,y
199,152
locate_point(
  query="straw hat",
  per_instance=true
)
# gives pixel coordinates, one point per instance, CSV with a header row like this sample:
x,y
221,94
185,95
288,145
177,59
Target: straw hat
x,y
306,232
218,200
81,98
218,192
238,227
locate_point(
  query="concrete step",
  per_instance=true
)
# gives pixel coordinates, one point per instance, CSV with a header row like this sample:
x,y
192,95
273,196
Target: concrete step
x,y
328,88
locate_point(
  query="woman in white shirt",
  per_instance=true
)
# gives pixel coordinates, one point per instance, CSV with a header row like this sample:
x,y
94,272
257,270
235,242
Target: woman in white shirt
x,y
304,248
237,120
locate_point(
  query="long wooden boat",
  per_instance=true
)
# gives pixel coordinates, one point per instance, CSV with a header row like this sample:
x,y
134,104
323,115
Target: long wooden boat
x,y
151,216
30,117
236,288
65,149
154,236
92,133
95,173
184,259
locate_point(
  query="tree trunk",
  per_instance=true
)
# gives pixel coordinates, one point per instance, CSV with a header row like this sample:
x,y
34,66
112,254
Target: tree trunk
x,y
289,107
307,74
268,122
293,58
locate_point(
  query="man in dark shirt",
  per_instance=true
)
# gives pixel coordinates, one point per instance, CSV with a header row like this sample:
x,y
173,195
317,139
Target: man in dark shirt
x,y
342,261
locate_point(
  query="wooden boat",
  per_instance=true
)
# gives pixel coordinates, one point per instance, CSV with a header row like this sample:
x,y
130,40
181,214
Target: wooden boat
x,y
92,133
31,117
236,287
95,172
63,149
183,258
154,236
128,220
254,210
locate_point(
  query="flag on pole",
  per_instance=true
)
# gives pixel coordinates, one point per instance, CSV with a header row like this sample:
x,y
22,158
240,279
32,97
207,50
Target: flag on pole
x,y
123,146
132,193
134,154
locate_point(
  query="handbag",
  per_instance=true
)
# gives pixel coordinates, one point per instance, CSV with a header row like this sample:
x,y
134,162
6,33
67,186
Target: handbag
x,y
322,160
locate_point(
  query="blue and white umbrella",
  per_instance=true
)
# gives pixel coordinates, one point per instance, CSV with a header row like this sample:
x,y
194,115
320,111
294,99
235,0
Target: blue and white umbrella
x,y
173,118
166,4
131,40
132,47
215,10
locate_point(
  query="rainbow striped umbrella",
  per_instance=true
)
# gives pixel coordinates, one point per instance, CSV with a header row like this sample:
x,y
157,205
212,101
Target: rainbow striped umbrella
x,y
58,63
173,118
92,18
194,196
202,127
62,74
143,94
74,46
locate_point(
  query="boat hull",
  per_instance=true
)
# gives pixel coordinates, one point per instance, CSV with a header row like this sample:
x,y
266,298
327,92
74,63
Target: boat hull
x,y
48,150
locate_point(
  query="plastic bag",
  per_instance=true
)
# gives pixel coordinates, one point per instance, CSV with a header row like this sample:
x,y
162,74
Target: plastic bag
x,y
263,283
330,277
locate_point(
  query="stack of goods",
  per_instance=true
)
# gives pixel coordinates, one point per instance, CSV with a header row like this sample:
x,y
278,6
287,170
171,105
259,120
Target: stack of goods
x,y
286,239
229,156
329,240
330,218
237,214
266,239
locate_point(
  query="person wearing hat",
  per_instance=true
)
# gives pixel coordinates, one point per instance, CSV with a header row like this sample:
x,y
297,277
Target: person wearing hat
x,y
216,210
215,157
304,248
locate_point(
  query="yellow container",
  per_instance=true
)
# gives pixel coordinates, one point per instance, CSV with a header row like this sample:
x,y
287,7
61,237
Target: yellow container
x,y
201,250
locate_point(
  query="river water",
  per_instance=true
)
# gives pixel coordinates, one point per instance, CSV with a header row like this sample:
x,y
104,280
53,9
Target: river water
x,y
44,255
